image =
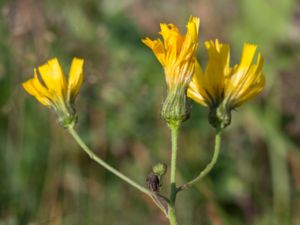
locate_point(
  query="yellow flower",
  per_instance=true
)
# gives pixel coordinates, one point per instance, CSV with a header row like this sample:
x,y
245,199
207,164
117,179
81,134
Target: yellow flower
x,y
49,87
176,53
222,88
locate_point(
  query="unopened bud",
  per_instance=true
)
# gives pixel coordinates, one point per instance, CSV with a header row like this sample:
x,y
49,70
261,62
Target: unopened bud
x,y
160,169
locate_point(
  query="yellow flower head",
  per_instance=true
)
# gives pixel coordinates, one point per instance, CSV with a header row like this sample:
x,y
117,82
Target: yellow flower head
x,y
176,53
222,88
49,86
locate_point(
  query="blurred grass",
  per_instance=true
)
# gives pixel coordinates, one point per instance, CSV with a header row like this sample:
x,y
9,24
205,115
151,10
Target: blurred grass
x,y
45,177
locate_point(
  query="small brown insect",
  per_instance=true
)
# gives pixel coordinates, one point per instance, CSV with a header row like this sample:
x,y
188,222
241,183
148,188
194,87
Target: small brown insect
x,y
153,182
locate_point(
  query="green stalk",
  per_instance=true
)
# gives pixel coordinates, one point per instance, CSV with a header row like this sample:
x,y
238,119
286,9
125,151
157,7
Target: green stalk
x,y
94,157
101,162
172,215
174,134
171,206
209,166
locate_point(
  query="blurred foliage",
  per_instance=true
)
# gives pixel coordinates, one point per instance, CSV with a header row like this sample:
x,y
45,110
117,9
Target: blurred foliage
x,y
47,179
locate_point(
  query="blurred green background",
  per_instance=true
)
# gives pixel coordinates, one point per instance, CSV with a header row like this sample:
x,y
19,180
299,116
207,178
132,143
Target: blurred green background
x,y
45,178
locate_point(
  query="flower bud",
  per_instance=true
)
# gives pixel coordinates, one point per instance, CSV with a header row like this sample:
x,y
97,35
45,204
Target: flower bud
x,y
159,169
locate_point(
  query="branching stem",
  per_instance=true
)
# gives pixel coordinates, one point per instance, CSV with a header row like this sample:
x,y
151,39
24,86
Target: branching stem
x,y
101,162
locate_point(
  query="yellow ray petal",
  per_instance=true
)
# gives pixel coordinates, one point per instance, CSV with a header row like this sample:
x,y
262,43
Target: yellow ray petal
x,y
196,90
171,34
193,27
253,85
36,89
75,78
53,77
158,49
173,41
217,68
246,60
243,79
252,92
190,42
247,55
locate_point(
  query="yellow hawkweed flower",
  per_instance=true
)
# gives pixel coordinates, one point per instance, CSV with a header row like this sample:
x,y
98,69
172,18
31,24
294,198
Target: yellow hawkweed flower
x,y
49,87
177,55
222,88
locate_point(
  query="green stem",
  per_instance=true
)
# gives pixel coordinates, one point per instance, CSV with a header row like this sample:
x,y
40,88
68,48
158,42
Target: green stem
x,y
209,166
172,215
171,206
104,164
101,162
174,134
